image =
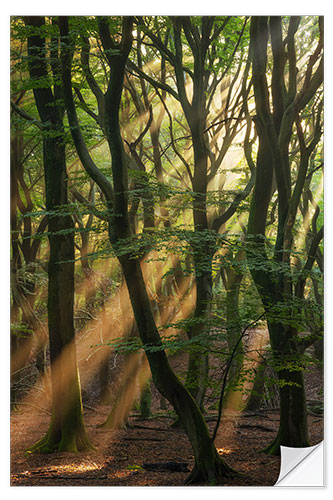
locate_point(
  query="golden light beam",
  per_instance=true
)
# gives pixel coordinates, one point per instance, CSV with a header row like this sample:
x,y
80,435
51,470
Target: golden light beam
x,y
92,337
236,399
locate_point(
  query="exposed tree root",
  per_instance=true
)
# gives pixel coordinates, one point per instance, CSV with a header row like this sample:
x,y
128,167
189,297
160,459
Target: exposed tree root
x,y
215,474
177,424
53,442
274,449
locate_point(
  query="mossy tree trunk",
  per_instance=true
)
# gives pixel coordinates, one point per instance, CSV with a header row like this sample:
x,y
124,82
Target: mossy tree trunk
x,y
66,431
257,392
145,400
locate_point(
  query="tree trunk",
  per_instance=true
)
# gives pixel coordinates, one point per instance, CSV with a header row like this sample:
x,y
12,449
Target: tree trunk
x,y
14,346
145,401
126,395
198,366
209,466
104,366
293,427
104,380
232,399
66,431
319,350
274,286
255,399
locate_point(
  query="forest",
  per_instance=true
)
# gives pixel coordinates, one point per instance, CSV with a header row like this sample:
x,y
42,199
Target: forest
x,y
166,248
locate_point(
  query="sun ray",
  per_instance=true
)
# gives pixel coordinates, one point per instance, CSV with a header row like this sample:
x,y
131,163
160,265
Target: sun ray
x,y
89,345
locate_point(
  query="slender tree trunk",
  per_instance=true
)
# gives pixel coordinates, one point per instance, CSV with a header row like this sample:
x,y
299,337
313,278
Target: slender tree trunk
x,y
198,364
234,330
319,350
88,273
145,401
104,367
126,389
234,327
256,396
14,346
197,371
126,395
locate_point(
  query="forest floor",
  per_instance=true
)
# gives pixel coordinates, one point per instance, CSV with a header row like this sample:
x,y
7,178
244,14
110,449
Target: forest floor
x,y
119,455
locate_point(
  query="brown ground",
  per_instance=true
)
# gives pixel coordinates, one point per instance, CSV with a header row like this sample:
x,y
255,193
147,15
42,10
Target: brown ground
x,y
119,453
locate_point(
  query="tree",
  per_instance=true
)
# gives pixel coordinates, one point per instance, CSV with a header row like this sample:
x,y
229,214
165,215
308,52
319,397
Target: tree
x,y
196,85
233,278
66,431
209,466
281,287
29,333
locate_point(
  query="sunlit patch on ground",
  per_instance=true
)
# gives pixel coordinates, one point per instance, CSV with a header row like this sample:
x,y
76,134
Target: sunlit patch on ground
x,y
224,451
73,468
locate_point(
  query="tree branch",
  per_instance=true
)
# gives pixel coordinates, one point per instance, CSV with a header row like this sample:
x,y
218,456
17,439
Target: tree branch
x,y
86,160
226,373
26,116
81,199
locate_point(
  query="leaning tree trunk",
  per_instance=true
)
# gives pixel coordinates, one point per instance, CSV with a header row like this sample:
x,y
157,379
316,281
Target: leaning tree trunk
x,y
66,431
209,466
